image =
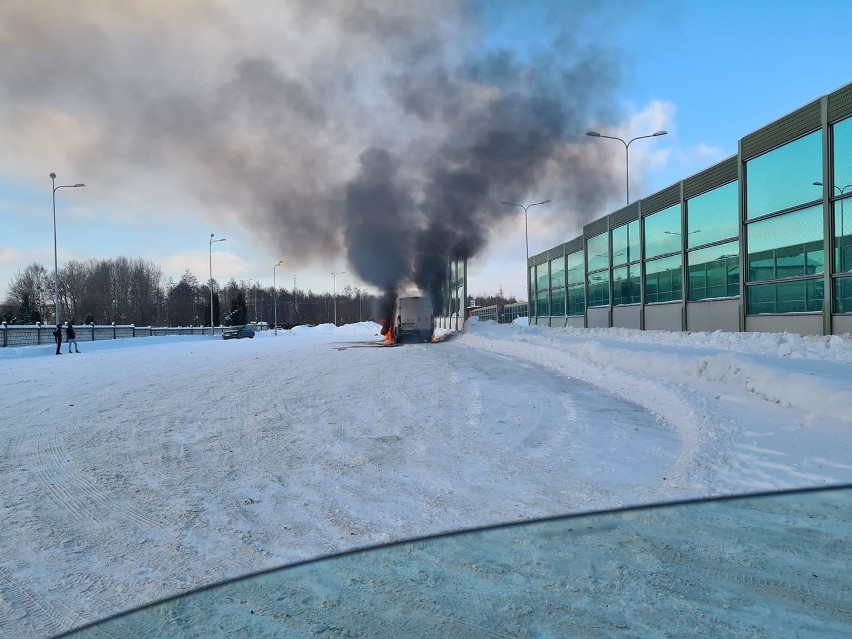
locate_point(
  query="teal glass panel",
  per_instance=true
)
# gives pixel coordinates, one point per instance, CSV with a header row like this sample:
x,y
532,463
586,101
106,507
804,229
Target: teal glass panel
x,y
619,275
619,245
576,299
576,269
557,301
789,245
626,285
714,272
557,286
801,296
531,282
843,295
663,232
542,309
784,178
843,236
542,277
633,253
625,244
842,156
712,216
664,279
599,289
557,273
598,252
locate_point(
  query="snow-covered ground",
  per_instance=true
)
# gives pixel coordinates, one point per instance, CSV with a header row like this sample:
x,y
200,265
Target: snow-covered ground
x,y
146,467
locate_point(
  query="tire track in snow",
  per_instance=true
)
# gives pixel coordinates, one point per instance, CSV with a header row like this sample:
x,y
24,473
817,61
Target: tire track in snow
x,y
676,405
75,493
17,601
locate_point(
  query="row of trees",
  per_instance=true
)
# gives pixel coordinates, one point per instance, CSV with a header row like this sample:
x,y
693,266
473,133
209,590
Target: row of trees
x,y
132,291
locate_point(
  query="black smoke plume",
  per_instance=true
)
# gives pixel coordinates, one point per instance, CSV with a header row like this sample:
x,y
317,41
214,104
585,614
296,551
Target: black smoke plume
x,y
382,131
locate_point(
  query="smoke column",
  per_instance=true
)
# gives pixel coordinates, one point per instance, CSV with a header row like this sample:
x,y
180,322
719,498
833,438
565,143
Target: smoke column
x,y
383,131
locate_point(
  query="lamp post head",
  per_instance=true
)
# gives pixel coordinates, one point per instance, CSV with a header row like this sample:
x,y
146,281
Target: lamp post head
x,y
593,134
77,186
53,176
817,183
659,133
280,262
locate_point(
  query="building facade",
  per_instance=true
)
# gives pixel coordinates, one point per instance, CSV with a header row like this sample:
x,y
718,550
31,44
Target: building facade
x,y
761,241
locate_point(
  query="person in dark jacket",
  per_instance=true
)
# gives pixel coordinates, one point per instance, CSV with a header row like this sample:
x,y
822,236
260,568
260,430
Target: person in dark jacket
x,y
57,335
71,337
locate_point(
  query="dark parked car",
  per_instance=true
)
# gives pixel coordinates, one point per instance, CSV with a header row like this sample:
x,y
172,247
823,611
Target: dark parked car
x,y
238,332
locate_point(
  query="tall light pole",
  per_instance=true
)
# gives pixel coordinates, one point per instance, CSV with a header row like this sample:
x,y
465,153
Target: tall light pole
x,y
221,239
527,237
334,275
595,134
55,256
275,296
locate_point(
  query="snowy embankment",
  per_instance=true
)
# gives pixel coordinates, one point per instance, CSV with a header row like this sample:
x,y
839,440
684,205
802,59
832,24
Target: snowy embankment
x,y
809,374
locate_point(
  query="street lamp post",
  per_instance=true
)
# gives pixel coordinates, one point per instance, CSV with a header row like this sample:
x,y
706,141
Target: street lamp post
x,y
595,134
275,296
55,255
221,239
526,235
334,275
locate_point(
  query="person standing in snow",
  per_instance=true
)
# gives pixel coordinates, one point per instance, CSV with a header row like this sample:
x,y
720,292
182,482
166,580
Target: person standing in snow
x,y
71,337
57,335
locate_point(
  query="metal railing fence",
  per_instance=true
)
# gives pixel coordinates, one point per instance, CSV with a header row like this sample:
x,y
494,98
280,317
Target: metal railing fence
x,y
35,334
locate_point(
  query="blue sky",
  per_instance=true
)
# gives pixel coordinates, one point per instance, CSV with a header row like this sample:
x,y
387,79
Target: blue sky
x,y
707,72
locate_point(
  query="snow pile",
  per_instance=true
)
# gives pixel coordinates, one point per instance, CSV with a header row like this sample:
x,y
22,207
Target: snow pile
x,y
747,360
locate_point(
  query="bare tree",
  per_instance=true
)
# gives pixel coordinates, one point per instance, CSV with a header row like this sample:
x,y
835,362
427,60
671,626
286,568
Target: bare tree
x,y
32,289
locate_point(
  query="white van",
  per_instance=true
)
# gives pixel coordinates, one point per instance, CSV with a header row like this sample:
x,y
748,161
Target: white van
x,y
414,319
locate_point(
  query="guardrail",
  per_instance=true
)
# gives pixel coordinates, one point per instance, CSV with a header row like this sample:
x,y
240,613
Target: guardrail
x,y
35,334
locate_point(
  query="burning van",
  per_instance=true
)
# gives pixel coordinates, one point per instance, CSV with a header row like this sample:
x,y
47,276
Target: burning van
x,y
414,321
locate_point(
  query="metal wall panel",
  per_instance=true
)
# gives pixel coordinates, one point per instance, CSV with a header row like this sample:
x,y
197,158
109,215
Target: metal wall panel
x,y
556,252
625,215
541,258
801,324
664,317
661,200
574,245
598,317
840,104
841,324
800,122
717,175
575,321
627,316
595,228
713,315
